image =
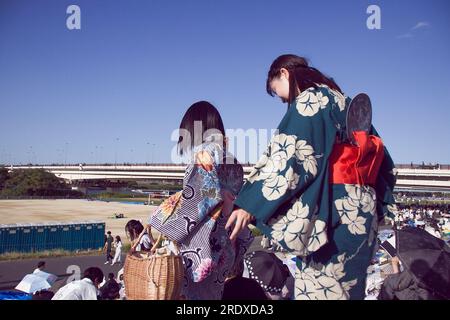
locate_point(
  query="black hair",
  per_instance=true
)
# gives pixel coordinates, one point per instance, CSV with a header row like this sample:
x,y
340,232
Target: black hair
x,y
301,75
109,232
41,264
94,274
118,238
43,295
133,229
211,122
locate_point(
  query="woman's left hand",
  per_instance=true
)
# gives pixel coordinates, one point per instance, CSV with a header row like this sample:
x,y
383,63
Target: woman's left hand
x,y
241,219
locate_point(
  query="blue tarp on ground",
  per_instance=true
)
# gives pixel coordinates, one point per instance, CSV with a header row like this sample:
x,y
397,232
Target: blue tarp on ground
x,y
14,295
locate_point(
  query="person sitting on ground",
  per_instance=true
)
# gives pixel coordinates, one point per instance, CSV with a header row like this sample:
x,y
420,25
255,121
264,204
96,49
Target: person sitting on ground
x,y
402,285
43,295
110,290
133,229
40,267
85,289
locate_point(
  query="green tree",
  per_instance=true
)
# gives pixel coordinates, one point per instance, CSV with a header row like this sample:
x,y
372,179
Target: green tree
x,y
4,175
33,182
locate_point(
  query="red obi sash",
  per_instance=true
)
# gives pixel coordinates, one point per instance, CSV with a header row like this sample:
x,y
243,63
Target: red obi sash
x,y
350,164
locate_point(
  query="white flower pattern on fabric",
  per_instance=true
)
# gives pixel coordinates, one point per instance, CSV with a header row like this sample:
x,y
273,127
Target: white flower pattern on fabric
x,y
308,103
303,150
264,169
357,226
295,230
323,100
358,198
269,167
318,237
282,149
323,284
305,154
274,188
310,165
338,97
292,178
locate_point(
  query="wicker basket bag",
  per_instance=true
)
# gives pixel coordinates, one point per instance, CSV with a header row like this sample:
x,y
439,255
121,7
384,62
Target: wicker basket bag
x,y
157,275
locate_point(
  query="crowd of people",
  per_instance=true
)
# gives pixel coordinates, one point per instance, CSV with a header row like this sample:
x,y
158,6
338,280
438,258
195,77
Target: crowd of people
x,y
388,277
92,286
433,219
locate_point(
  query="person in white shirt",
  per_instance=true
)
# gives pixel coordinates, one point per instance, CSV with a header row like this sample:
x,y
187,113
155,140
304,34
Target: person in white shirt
x,y
85,289
40,267
118,254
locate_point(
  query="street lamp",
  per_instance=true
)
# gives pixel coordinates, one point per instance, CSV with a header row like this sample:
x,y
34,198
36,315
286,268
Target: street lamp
x,y
65,156
153,152
115,153
31,155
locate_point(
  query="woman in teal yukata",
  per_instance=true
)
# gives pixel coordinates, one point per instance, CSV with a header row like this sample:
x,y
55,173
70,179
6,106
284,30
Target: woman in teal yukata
x,y
319,198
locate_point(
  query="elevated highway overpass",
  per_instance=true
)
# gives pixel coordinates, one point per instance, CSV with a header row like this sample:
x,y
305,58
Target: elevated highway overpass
x,y
408,179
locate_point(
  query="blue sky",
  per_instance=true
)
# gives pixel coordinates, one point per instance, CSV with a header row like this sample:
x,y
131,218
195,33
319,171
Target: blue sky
x,y
136,66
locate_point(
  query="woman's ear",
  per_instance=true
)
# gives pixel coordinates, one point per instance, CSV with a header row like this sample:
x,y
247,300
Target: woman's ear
x,y
284,72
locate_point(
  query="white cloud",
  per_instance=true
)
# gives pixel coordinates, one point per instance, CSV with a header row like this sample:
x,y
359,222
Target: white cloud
x,y
410,34
421,24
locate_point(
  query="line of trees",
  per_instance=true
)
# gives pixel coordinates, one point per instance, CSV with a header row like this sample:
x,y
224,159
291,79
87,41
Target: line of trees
x,y
33,182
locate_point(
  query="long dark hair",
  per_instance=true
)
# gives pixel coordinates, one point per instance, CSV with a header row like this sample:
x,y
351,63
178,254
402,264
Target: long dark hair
x,y
133,229
118,239
301,75
211,122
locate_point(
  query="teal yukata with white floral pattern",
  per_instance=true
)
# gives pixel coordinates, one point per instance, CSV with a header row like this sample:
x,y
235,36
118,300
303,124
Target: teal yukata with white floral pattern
x,y
331,227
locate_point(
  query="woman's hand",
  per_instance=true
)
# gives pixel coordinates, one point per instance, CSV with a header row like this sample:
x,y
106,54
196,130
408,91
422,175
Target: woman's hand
x,y
395,261
241,219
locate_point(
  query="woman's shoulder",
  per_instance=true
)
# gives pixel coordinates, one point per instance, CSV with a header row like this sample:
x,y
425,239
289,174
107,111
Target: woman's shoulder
x,y
336,97
208,155
314,101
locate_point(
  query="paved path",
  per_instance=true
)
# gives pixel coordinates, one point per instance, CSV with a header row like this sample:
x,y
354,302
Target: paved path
x,y
11,272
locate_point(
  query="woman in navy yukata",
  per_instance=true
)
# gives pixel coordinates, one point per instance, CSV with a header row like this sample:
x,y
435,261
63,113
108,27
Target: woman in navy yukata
x,y
318,197
196,220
